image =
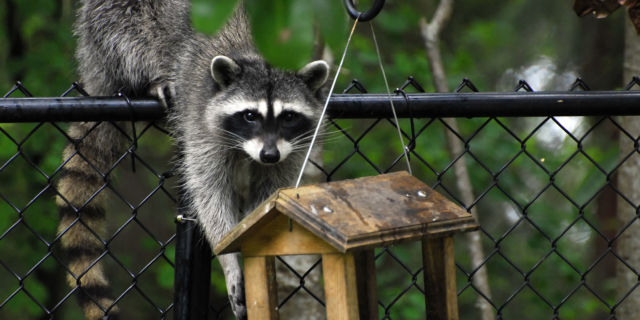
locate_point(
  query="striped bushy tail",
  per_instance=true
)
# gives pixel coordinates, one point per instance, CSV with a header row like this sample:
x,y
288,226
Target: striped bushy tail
x,y
93,152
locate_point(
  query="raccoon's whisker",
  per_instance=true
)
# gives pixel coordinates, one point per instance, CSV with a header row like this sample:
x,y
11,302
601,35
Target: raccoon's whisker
x,y
234,135
231,146
322,140
309,137
233,143
325,137
307,142
305,146
319,135
310,132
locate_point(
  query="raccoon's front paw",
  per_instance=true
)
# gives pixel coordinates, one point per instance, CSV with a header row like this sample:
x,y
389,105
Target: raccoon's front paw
x,y
163,91
237,299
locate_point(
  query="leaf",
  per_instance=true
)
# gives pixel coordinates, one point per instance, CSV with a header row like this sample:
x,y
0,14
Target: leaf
x,y
208,16
601,8
332,20
282,30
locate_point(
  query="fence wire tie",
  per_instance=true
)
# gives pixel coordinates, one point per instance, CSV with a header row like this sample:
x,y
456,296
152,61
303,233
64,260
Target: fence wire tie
x,y
412,143
134,144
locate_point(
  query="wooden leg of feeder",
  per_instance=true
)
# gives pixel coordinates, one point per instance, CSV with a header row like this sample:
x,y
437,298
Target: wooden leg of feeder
x,y
365,261
340,287
440,279
261,288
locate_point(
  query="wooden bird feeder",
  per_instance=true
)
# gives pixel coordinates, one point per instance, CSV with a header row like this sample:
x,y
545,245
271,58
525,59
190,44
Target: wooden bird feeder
x,y
343,221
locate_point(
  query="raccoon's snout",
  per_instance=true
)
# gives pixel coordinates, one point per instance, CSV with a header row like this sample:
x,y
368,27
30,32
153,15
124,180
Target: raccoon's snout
x,y
271,155
267,153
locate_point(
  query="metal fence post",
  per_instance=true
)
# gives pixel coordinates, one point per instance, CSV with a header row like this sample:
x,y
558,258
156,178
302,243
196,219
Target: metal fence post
x,y
192,272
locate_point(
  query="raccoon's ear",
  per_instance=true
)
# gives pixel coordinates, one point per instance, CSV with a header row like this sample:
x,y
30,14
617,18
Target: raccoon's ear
x,y
224,70
314,74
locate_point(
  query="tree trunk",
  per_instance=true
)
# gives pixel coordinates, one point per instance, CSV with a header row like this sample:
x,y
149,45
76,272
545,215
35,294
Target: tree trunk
x,y
431,35
628,245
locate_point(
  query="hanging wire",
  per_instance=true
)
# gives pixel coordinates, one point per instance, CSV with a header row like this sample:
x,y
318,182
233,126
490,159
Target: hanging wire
x,y
324,110
393,108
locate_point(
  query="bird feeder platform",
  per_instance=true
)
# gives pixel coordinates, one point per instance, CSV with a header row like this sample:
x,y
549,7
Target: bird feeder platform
x,y
344,221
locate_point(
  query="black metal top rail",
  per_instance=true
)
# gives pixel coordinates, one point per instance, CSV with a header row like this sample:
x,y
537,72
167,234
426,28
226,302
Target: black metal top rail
x,y
349,106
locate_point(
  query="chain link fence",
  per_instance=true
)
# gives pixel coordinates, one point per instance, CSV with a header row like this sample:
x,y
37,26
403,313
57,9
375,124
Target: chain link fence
x,y
545,196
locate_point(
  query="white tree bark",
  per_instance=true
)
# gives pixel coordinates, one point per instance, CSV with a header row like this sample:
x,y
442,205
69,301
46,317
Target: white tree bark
x,y
431,35
628,244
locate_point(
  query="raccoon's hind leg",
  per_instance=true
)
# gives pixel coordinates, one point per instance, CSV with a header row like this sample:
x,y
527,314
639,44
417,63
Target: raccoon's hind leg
x,y
94,150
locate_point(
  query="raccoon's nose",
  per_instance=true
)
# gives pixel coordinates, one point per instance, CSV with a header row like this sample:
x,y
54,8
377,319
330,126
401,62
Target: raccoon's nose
x,y
270,155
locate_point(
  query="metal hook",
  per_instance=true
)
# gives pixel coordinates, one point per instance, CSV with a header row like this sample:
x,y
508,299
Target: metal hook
x,y
364,16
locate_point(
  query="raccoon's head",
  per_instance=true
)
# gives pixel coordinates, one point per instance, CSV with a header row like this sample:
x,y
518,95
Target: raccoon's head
x,y
266,112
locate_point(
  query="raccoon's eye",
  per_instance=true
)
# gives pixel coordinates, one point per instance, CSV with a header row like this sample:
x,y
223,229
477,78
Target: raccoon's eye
x,y
288,117
249,116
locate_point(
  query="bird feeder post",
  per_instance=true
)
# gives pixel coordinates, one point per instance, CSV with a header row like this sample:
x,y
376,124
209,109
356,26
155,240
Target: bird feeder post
x,y
261,288
366,281
440,294
340,290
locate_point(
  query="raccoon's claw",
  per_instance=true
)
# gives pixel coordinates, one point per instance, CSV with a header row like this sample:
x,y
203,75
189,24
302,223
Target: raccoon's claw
x,y
238,301
163,91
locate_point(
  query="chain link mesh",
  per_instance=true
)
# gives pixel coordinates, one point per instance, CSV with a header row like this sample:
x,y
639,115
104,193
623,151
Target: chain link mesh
x,y
541,184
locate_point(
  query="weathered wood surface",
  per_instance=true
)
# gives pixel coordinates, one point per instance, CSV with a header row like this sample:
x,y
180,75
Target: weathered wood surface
x,y
261,288
248,226
365,261
374,211
340,289
275,239
360,214
441,297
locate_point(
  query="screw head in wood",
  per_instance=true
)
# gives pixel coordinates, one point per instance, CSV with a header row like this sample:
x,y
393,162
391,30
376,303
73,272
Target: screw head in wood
x,y
422,194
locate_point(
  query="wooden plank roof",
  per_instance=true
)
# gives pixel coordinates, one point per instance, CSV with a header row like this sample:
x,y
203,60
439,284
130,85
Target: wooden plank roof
x,y
360,213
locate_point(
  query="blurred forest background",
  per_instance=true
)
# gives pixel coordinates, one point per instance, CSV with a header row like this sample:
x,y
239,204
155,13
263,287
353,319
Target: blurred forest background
x,y
494,44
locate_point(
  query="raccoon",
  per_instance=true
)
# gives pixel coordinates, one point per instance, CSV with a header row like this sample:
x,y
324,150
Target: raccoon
x,y
243,127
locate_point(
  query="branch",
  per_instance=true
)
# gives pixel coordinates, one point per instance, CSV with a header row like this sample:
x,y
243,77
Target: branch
x,y
431,35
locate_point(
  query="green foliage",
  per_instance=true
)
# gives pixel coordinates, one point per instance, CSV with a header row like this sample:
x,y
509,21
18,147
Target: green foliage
x,y
282,31
332,21
209,16
481,42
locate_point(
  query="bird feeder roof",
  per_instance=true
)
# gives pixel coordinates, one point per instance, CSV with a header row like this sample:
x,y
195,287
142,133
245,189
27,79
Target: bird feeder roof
x,y
359,214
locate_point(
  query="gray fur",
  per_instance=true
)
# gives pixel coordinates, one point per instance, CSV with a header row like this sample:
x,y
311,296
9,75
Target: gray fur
x,y
148,46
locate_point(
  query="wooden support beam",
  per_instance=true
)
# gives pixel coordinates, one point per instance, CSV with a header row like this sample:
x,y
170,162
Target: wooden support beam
x,y
261,288
441,297
365,261
340,287
275,239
